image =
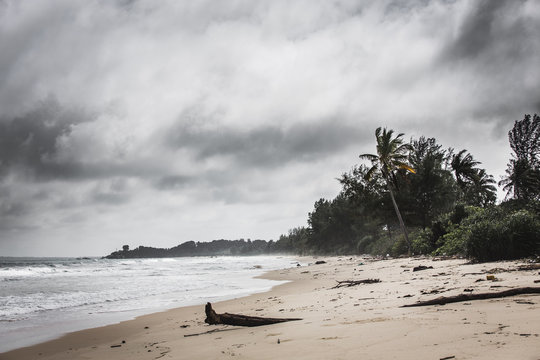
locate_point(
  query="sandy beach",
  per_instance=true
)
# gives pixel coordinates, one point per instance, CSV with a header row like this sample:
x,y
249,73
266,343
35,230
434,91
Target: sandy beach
x,y
364,321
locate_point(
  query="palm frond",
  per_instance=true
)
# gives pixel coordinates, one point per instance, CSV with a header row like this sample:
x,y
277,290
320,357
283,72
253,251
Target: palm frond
x,y
407,167
370,172
370,157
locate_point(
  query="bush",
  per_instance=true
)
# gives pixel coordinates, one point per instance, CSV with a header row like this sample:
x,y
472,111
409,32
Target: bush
x,y
381,245
363,243
451,231
454,242
399,247
421,242
500,236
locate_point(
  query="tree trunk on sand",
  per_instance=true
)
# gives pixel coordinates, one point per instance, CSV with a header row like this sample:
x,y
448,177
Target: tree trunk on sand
x,y
480,296
401,223
213,318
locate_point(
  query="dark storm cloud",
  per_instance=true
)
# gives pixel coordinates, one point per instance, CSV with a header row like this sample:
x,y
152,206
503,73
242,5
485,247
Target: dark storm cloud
x,y
289,93
495,33
496,51
10,209
268,146
29,142
30,146
475,34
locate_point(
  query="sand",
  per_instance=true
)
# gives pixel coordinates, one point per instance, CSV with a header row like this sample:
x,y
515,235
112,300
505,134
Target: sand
x,y
359,322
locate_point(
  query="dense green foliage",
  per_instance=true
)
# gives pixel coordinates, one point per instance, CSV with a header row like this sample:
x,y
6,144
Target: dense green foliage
x,y
391,157
500,235
444,202
523,172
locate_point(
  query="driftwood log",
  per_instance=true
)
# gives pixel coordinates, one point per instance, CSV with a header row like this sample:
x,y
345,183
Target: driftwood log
x,y
480,296
348,283
529,267
213,318
421,267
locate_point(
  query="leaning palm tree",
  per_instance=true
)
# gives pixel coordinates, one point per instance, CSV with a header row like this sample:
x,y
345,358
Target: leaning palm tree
x,y
464,168
391,156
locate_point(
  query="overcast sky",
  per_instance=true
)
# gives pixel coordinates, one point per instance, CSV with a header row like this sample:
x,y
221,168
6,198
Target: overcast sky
x,y
158,122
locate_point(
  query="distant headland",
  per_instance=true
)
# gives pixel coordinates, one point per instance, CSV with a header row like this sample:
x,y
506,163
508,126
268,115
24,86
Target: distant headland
x,y
192,248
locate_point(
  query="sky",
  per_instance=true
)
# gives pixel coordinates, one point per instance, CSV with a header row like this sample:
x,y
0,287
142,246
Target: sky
x,y
152,123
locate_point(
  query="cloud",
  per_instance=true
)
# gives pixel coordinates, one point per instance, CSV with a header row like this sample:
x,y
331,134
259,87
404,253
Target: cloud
x,y
266,146
171,182
30,141
167,121
476,33
492,51
113,192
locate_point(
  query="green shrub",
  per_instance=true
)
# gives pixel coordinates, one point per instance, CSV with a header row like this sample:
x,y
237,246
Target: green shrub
x,y
524,234
421,242
454,242
381,245
451,231
363,243
399,247
500,236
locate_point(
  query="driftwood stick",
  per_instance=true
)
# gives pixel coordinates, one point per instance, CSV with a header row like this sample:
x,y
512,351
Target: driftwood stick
x,y
210,332
480,296
348,283
529,267
213,318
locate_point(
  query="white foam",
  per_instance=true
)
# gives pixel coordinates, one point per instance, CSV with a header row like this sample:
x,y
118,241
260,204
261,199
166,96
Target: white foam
x,y
35,295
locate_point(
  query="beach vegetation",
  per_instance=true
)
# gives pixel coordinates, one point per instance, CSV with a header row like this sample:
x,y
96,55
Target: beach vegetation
x,y
422,243
421,198
498,235
391,156
522,180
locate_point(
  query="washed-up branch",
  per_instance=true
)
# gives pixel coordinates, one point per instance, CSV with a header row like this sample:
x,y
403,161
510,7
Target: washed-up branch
x,y
349,283
480,296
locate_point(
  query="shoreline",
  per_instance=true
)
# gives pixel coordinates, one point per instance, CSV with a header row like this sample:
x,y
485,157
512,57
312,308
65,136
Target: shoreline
x,y
340,323
101,334
66,307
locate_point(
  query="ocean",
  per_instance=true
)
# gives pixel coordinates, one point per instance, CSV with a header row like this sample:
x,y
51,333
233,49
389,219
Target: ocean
x,y
43,298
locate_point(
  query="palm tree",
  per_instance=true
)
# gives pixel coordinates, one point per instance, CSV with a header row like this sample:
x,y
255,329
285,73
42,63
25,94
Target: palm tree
x,y
523,172
464,168
391,156
485,192
522,180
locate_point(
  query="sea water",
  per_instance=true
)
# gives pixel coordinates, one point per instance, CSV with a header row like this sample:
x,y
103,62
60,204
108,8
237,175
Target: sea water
x,y
43,298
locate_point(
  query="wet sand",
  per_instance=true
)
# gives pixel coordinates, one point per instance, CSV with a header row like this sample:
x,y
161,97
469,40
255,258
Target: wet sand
x,y
363,321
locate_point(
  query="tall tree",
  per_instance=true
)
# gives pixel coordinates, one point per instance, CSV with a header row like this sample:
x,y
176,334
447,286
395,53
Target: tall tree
x,y
431,191
483,191
477,187
367,202
525,139
523,171
464,167
391,156
331,225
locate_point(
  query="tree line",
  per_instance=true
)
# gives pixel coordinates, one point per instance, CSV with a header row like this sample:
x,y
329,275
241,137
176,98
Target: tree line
x,y
220,247
417,197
